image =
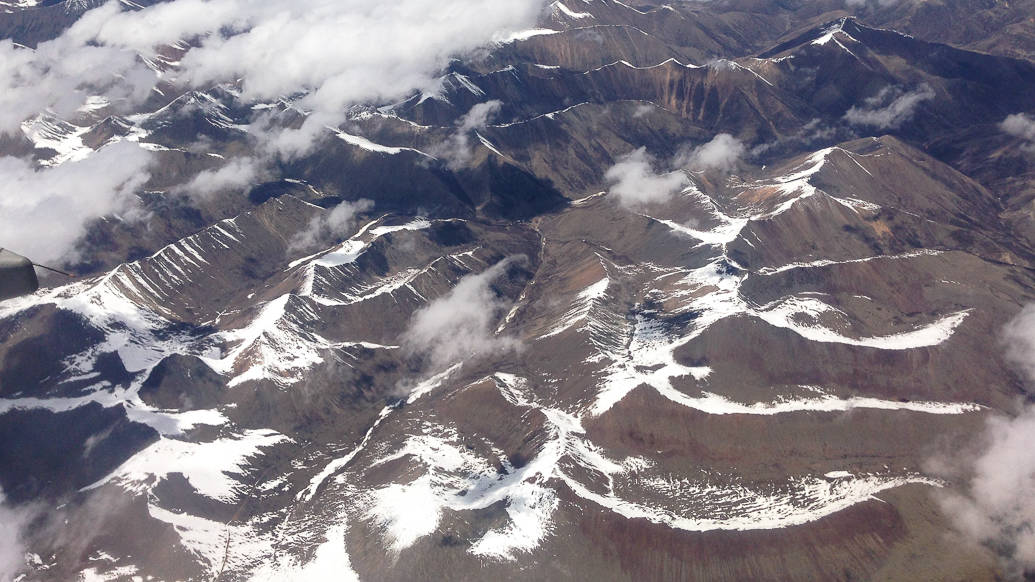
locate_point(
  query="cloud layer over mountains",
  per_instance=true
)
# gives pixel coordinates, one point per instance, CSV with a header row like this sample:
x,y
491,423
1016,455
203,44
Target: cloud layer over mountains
x,y
338,52
44,211
324,54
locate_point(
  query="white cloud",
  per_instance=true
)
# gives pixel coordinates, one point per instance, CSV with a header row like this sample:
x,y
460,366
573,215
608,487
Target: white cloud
x,y
237,173
815,131
479,116
332,53
12,549
330,226
721,65
325,54
1019,125
878,3
1019,336
460,324
60,74
997,506
643,109
457,149
635,181
722,153
1022,126
889,108
43,212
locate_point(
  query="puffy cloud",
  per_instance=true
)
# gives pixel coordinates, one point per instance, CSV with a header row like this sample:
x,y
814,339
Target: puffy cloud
x,y
43,212
1022,126
1019,125
997,505
889,108
330,226
457,149
722,153
635,181
461,324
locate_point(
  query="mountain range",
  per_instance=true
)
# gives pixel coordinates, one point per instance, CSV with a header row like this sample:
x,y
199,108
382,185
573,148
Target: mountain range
x,y
673,291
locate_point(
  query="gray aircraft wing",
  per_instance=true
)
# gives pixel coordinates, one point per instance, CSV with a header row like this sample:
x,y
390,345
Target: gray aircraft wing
x,y
17,275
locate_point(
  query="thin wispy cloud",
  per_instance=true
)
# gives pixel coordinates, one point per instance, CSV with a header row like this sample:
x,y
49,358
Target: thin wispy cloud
x,y
880,3
457,150
816,131
889,108
330,226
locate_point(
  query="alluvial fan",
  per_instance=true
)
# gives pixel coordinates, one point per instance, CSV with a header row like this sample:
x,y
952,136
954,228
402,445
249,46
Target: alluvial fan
x,y
568,291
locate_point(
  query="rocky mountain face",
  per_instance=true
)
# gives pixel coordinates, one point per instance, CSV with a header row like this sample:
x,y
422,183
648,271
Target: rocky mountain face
x,y
520,347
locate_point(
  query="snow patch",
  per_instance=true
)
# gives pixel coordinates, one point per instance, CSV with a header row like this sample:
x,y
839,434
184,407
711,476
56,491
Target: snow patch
x,y
715,404
330,562
580,308
207,466
702,506
366,144
527,34
559,7
801,315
